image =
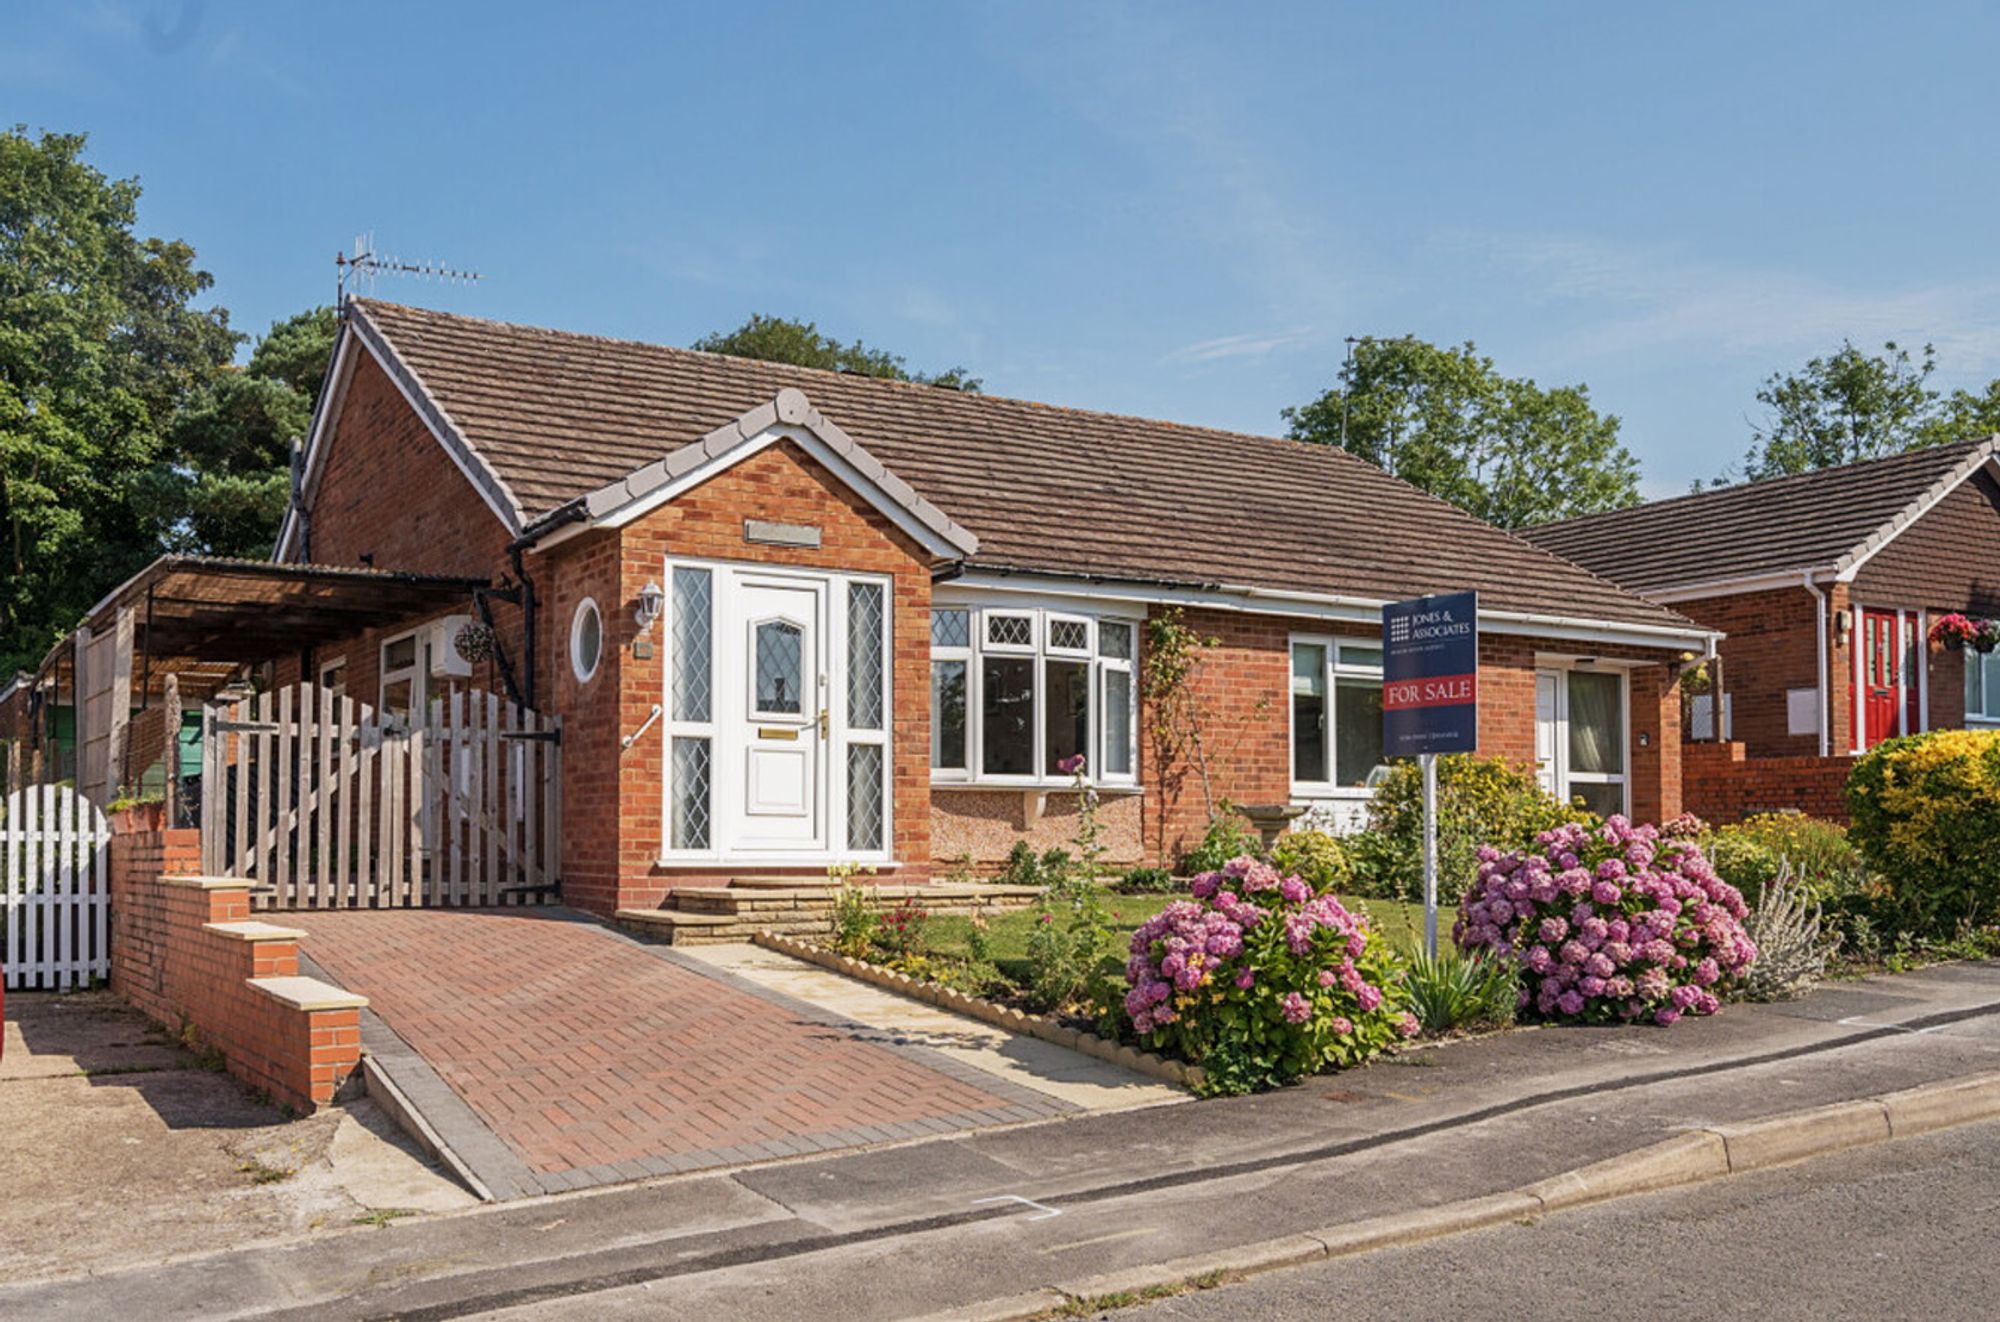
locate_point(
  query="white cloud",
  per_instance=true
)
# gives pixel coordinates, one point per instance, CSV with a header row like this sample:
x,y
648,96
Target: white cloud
x,y
1254,345
1648,298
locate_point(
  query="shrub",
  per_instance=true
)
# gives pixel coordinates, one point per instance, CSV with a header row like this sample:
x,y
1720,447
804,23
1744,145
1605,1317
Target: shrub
x,y
1315,857
1148,881
1609,924
1750,854
1785,927
1260,981
1228,836
1458,990
902,931
1024,867
1072,952
1481,800
1926,816
853,921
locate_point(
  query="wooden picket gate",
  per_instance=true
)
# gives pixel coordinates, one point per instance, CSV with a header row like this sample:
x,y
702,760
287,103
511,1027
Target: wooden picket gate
x,y
330,805
55,889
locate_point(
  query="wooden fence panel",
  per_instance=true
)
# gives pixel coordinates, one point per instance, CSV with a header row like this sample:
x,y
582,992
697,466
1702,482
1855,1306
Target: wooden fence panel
x,y
328,804
55,888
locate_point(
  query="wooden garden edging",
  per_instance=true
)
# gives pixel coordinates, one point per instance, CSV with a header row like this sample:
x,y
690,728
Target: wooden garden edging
x,y
1148,1063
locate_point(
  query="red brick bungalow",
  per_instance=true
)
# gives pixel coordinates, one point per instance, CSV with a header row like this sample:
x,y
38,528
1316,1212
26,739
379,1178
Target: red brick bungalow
x,y
795,618
1826,585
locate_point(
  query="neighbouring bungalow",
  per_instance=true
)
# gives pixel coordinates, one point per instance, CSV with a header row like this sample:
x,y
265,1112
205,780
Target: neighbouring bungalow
x,y
741,620
1826,586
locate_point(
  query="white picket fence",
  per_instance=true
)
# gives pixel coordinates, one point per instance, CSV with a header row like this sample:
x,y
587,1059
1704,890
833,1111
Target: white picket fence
x,y
330,805
55,889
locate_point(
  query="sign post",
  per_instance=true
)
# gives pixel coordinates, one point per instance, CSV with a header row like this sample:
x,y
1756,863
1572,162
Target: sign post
x,y
1430,702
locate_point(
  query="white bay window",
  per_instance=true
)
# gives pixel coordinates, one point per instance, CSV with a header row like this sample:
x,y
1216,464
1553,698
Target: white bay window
x,y
1017,692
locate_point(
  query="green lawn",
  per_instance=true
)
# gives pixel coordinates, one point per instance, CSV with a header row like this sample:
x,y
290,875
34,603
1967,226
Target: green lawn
x,y
1007,935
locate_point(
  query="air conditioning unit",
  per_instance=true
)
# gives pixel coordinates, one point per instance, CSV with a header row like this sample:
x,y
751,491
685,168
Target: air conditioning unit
x,y
446,663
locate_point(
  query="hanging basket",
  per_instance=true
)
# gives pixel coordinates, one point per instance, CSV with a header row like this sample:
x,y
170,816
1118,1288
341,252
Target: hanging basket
x,y
1954,632
475,643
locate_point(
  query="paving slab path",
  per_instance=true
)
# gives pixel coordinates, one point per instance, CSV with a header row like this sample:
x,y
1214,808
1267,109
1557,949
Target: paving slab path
x,y
1083,1081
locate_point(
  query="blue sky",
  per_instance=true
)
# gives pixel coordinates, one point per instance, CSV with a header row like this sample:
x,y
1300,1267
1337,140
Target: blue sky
x,y
1166,209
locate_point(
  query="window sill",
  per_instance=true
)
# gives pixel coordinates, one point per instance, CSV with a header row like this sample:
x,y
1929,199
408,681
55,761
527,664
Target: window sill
x,y
1036,787
723,862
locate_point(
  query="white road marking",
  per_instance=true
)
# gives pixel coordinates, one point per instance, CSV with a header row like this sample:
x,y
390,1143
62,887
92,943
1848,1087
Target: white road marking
x,y
1045,1210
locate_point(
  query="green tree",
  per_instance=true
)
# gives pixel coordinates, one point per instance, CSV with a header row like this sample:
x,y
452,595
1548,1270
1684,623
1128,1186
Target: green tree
x,y
224,477
1444,420
800,343
1963,415
1845,407
99,347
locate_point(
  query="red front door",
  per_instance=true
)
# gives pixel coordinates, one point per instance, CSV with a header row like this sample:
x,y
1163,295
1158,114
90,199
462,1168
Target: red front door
x,y
1887,686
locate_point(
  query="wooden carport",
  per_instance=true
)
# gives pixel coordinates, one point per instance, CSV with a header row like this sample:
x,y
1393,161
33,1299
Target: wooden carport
x,y
185,627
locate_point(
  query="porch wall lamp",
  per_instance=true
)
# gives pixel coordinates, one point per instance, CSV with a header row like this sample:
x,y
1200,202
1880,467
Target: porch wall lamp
x,y
652,604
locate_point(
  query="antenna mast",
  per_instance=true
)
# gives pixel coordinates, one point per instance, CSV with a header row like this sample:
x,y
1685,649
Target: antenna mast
x,y
365,264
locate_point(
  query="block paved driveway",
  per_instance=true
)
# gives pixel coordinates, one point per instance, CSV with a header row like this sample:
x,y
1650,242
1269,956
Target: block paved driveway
x,y
551,1052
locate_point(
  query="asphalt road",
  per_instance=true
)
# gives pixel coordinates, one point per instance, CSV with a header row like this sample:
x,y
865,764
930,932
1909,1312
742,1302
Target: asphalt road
x,y
1900,1230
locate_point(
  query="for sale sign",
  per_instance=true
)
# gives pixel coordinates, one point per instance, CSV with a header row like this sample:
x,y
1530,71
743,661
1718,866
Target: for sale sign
x,y
1430,675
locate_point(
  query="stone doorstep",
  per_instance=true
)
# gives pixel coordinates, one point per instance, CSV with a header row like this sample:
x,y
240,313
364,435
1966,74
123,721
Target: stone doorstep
x,y
309,994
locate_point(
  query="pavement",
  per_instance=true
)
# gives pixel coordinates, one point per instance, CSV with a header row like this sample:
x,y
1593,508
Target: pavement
x,y
549,1052
1901,1230
118,1149
981,1223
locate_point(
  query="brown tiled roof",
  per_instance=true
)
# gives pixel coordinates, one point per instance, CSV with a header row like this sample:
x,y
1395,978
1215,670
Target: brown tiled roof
x,y
1048,490
1788,524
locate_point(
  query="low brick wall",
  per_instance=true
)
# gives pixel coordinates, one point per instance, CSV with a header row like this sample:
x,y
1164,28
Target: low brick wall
x,y
1722,783
185,951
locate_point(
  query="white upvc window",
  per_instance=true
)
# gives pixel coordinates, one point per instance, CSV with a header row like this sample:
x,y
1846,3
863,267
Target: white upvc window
x,y
403,665
1015,692
1982,689
1336,715
1583,736
690,709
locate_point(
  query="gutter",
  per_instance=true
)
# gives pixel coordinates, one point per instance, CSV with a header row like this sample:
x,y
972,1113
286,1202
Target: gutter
x,y
1360,607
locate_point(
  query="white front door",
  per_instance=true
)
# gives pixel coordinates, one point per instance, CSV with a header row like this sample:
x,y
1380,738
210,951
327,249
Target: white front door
x,y
776,700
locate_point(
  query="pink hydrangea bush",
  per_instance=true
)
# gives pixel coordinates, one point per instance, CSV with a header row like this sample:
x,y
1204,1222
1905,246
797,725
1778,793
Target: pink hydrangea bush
x,y
1261,981
1608,924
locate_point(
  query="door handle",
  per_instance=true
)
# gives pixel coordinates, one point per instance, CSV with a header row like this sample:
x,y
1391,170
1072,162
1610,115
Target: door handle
x,y
825,724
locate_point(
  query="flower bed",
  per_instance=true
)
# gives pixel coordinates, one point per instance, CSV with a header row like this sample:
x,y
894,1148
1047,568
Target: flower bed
x,y
1611,924
1262,981
1011,1019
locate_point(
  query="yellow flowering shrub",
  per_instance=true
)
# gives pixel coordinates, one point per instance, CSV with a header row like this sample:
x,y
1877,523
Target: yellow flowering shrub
x,y
1925,813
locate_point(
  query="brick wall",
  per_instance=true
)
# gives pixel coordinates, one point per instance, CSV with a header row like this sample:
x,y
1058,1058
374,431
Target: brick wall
x,y
1244,684
1769,650
784,484
169,961
1724,783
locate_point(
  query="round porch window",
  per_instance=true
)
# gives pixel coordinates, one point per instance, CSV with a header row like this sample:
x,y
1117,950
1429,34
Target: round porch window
x,y
586,640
